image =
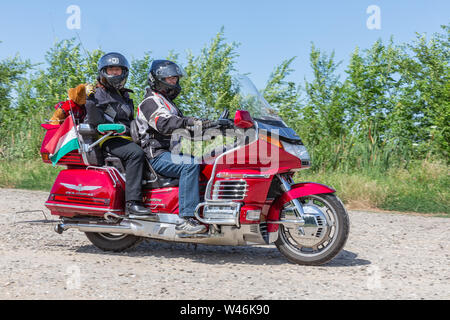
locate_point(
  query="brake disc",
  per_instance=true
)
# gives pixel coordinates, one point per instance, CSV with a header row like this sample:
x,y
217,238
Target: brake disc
x,y
313,232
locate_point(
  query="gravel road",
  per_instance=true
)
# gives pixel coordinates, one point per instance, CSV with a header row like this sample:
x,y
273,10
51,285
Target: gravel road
x,y
387,256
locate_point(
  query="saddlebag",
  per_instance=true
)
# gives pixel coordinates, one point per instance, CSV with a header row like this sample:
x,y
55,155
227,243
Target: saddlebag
x,y
87,192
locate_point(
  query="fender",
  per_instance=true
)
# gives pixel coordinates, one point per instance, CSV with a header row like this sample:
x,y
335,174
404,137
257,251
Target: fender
x,y
297,190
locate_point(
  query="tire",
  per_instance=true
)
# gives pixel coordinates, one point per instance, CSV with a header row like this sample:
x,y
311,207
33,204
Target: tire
x,y
332,238
113,242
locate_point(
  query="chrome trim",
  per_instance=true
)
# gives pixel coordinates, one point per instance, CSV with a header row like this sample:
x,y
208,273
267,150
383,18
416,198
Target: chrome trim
x,y
313,232
91,146
112,172
310,221
167,189
100,228
153,206
257,176
111,216
150,203
234,217
223,175
170,218
82,207
82,147
84,156
293,221
237,189
228,235
287,187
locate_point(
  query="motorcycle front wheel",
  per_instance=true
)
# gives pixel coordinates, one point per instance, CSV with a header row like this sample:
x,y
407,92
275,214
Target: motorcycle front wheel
x,y
314,245
113,242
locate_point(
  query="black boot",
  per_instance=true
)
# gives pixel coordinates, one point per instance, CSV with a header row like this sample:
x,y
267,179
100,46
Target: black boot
x,y
137,208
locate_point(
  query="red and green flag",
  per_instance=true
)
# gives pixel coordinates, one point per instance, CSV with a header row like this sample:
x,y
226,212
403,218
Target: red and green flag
x,y
64,141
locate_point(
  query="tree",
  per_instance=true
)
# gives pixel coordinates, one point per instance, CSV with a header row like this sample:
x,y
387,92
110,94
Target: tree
x,y
66,67
324,111
284,95
11,71
425,73
372,89
138,79
208,87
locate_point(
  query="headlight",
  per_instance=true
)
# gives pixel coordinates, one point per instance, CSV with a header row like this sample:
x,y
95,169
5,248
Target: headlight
x,y
298,151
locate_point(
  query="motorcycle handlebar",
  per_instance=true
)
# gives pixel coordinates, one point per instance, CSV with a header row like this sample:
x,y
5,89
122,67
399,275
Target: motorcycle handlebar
x,y
220,124
223,123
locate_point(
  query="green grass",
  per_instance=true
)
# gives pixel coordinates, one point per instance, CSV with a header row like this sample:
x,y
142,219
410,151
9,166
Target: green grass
x,y
28,174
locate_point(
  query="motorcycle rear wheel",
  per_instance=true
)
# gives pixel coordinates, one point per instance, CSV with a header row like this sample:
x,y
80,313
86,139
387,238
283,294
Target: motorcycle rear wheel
x,y
113,242
330,240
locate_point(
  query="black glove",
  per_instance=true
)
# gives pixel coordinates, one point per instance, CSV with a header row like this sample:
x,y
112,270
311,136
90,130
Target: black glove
x,y
190,121
203,124
206,124
225,123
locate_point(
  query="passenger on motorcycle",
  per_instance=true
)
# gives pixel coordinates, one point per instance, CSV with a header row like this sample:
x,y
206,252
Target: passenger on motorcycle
x,y
111,104
157,118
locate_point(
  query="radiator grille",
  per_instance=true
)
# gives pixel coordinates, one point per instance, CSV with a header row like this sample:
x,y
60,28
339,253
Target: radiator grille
x,y
230,190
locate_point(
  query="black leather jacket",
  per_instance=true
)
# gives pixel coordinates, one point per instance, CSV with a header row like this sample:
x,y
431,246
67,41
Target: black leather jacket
x,y
108,106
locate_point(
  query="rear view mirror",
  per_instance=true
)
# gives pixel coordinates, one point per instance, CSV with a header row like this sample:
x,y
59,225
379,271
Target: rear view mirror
x,y
224,114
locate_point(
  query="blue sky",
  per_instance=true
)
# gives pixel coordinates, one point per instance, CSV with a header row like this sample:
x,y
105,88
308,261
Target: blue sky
x,y
268,31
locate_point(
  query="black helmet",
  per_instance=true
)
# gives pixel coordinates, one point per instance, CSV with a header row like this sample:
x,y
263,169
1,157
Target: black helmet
x,y
161,69
113,59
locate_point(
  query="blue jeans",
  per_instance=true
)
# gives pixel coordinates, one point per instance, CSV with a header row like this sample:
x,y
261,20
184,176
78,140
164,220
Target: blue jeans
x,y
188,171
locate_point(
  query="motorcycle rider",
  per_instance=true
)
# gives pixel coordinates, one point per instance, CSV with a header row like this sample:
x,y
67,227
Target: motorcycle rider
x,y
111,104
157,118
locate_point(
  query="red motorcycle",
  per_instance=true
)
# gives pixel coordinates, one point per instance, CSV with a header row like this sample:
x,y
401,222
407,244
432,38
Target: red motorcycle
x,y
248,195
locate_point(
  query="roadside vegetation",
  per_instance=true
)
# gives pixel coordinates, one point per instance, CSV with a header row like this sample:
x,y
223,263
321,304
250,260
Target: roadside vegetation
x,y
380,135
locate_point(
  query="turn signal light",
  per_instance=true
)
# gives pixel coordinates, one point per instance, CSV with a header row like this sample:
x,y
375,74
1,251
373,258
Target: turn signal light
x,y
271,140
253,215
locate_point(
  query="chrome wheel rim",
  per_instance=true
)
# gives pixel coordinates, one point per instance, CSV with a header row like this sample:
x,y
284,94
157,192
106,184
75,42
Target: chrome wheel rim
x,y
113,236
327,237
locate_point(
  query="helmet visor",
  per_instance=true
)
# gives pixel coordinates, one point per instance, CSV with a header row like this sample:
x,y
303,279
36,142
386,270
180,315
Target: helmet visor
x,y
169,70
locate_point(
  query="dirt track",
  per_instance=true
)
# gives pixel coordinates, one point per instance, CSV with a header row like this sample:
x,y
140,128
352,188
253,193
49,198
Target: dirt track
x,y
387,256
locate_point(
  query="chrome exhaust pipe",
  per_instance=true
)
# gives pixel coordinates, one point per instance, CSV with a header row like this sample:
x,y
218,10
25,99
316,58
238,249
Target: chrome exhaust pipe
x,y
124,227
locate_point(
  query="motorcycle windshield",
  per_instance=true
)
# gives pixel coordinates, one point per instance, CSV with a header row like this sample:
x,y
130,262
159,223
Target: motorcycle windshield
x,y
251,100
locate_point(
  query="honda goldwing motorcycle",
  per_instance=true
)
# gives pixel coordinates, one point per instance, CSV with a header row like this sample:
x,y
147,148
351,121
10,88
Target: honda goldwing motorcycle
x,y
248,195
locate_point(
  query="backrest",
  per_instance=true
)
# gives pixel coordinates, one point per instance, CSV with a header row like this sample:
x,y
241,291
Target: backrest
x,y
88,135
